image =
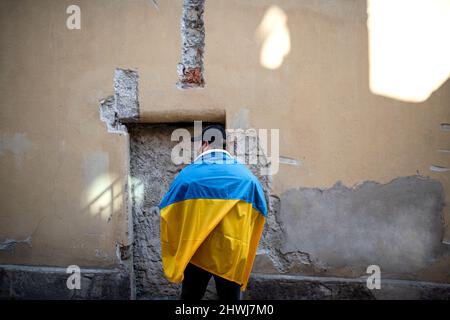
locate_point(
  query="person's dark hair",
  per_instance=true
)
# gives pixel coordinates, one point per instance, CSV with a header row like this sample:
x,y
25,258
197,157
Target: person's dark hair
x,y
215,135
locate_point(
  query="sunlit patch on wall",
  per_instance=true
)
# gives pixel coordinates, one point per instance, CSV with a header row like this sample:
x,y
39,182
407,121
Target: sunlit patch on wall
x,y
104,196
409,47
274,34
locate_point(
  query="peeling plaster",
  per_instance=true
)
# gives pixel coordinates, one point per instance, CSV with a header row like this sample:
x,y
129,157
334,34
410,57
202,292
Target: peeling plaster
x,y
123,106
152,170
10,244
445,127
20,282
436,168
398,226
190,69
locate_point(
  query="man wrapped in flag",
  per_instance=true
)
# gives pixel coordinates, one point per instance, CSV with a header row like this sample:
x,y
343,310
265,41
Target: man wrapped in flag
x,y
212,219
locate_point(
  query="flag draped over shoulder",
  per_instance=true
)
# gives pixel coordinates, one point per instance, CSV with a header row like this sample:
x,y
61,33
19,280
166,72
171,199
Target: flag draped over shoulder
x,y
212,216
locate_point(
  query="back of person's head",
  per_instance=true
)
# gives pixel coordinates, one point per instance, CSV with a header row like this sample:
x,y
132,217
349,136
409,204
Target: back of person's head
x,y
215,135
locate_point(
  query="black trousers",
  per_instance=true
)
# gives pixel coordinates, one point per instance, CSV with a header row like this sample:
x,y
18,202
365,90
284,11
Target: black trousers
x,y
196,280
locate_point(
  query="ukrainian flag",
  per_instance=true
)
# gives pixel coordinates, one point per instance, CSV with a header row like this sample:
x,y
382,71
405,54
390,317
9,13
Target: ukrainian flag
x,y
212,216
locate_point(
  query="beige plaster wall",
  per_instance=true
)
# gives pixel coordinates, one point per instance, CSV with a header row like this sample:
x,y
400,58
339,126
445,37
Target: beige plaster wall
x,y
57,157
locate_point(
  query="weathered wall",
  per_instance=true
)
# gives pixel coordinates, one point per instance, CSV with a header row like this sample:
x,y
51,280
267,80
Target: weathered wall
x,y
334,232
341,231
151,172
60,167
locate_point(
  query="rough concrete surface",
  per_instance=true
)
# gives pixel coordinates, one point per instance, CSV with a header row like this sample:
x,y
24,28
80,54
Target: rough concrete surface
x,y
398,226
126,94
29,282
124,104
334,232
320,98
338,231
10,244
283,287
190,69
151,172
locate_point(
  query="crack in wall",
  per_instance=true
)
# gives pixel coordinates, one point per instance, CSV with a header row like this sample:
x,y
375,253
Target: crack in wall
x,y
151,172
